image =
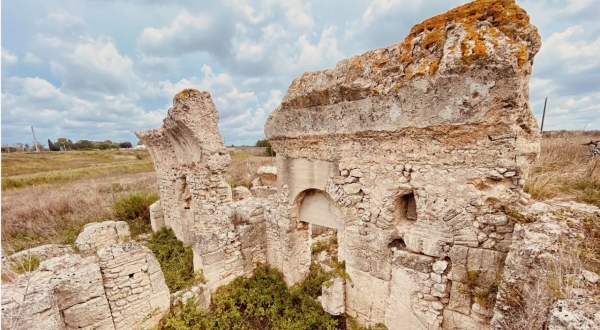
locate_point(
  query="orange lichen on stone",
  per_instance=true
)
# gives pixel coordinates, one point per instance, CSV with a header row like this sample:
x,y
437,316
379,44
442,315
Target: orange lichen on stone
x,y
504,16
522,54
473,46
434,38
433,67
188,92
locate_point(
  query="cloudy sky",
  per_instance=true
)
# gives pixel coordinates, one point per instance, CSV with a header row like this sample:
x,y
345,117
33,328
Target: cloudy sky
x,y
100,69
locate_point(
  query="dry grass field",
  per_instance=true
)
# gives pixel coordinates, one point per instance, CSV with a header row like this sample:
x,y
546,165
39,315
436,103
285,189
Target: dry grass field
x,y
561,172
48,197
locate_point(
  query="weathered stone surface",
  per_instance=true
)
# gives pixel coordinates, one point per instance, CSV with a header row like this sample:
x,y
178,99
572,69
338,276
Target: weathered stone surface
x,y
268,176
240,193
190,158
540,254
157,219
333,297
69,285
590,276
135,285
576,314
96,235
199,293
19,260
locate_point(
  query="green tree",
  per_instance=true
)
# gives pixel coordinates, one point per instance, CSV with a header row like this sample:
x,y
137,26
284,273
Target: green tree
x,y
64,143
53,146
83,144
125,145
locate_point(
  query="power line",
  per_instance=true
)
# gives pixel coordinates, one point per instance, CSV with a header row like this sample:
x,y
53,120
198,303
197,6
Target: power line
x,y
570,94
576,93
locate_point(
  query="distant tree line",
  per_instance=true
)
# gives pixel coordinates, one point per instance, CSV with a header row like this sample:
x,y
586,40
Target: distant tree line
x,y
267,145
64,144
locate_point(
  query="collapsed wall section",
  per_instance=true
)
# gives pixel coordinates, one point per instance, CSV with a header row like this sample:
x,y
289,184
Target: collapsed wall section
x,y
190,159
422,145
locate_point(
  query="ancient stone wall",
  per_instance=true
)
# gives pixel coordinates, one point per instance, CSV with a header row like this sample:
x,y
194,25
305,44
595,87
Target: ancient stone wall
x,y
421,145
120,287
413,153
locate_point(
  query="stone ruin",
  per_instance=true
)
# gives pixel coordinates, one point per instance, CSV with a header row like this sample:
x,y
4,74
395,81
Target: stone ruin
x,y
112,285
410,154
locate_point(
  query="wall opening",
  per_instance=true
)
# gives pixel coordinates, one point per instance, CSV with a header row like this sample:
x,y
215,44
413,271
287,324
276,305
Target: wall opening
x,y
397,244
406,208
405,213
318,209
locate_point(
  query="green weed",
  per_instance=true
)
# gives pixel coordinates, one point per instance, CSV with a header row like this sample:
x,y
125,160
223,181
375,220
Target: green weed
x,y
175,258
135,209
262,301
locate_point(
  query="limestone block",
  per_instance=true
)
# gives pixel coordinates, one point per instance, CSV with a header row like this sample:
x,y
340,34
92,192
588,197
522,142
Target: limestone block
x,y
142,297
488,263
366,297
157,218
458,321
89,315
240,193
428,239
590,276
96,235
404,310
268,176
418,262
24,308
580,314
200,293
263,191
333,296
460,298
43,252
64,292
439,266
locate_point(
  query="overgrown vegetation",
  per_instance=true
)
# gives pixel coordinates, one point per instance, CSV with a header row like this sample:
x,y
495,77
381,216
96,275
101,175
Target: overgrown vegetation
x,y
561,171
262,301
175,258
135,209
556,276
26,265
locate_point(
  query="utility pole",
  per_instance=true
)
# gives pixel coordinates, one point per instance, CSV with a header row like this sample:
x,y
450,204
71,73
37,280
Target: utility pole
x,y
543,116
35,141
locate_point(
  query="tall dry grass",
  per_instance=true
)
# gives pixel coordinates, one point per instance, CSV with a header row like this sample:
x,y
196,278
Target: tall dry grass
x,y
46,214
54,195
244,167
560,170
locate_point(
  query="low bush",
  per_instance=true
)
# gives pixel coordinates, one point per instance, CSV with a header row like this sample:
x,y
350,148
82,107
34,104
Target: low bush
x,y
135,209
175,258
27,265
262,301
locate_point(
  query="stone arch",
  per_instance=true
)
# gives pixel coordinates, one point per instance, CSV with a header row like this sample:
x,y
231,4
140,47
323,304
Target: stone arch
x,y
317,208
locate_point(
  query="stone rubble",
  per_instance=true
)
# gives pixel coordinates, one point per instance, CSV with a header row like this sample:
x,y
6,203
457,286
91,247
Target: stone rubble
x,y
97,235
120,286
534,262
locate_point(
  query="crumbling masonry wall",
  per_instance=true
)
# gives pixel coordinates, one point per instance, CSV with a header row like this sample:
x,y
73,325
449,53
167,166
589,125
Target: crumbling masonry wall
x,y
417,149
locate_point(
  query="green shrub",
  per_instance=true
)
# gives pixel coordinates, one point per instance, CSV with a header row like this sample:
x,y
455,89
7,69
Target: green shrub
x,y
262,301
175,258
135,209
28,265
